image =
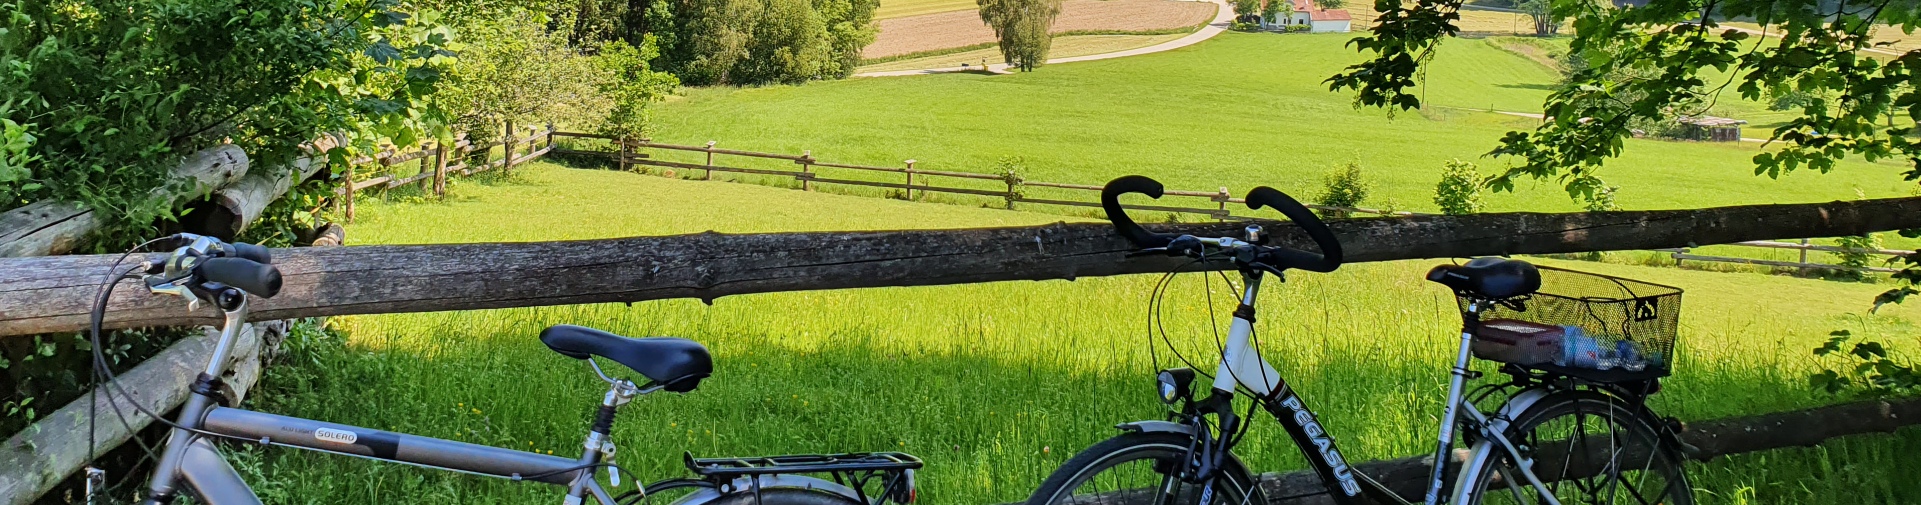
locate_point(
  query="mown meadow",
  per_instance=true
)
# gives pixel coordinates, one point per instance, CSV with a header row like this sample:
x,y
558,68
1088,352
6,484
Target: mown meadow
x,y
993,384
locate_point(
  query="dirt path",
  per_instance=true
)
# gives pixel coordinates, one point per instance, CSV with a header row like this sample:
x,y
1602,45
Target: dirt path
x,y
945,30
1222,18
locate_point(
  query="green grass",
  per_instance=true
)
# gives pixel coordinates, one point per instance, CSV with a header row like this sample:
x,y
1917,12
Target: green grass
x,y
1238,111
994,384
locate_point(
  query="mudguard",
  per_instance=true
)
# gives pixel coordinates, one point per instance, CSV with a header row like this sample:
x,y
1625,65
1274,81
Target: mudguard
x,y
1156,427
770,482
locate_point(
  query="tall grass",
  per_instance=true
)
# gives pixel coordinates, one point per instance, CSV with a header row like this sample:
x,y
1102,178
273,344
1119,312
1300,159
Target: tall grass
x,y
993,384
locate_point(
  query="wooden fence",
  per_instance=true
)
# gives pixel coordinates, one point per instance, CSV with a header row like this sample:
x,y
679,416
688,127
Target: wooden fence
x,y
436,162
810,171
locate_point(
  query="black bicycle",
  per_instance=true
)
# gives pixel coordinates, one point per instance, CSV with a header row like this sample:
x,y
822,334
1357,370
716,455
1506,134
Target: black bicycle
x,y
1574,427
225,276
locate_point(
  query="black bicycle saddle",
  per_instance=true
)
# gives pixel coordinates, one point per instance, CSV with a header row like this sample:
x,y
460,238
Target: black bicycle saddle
x,y
1489,278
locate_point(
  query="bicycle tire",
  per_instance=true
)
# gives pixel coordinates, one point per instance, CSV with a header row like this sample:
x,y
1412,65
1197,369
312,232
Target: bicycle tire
x,y
1160,453
1629,437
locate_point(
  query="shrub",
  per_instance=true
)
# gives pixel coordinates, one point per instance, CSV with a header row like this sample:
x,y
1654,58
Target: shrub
x,y
1299,28
1859,258
1459,191
1013,170
1344,187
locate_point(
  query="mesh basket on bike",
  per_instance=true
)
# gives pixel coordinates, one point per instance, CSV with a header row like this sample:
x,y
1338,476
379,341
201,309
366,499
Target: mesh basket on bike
x,y
1609,311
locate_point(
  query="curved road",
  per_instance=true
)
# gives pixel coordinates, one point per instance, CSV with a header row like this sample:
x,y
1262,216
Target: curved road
x,y
1223,17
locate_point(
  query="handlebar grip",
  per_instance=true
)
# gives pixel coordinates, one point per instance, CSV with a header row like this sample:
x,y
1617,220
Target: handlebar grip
x,y
1110,202
1330,257
258,279
257,254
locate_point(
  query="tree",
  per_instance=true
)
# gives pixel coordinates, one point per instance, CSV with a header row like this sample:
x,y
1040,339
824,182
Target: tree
x,y
1273,10
1546,22
1674,44
1023,28
1331,4
104,97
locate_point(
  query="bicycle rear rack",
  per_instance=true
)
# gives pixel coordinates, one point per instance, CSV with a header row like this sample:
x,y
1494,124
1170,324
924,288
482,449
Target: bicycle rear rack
x,y
894,471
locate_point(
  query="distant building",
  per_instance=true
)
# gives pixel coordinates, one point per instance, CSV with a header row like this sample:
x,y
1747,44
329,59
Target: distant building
x,y
1306,12
1713,129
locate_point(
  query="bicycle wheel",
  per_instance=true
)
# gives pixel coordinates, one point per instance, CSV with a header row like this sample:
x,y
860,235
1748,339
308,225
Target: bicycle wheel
x,y
1588,448
1135,468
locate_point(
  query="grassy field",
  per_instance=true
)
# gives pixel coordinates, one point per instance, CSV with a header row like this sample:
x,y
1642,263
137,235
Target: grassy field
x,y
1237,111
994,384
904,8
1064,47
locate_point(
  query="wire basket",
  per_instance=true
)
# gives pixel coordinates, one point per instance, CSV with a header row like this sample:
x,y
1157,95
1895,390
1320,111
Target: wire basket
x,y
1626,328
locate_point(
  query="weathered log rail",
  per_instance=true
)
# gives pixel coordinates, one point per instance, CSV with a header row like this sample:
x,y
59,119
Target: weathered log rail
x,y
52,294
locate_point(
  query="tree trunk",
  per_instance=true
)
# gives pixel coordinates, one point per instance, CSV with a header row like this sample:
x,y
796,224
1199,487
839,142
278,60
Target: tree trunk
x,y
49,228
53,294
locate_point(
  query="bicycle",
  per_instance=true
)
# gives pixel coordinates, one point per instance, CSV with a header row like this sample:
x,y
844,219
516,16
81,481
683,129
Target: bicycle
x,y
1563,434
226,276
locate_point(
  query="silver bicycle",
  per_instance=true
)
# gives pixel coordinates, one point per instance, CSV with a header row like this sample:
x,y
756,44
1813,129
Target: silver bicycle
x,y
1562,434
226,276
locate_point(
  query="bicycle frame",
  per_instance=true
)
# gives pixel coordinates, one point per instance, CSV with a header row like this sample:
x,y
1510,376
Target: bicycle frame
x,y
1242,367
191,463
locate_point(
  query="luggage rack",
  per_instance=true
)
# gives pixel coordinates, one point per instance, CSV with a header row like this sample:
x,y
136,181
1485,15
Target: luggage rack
x,y
893,471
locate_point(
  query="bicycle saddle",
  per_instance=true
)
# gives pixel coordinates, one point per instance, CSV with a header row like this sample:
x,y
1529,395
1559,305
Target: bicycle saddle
x,y
677,364
1489,278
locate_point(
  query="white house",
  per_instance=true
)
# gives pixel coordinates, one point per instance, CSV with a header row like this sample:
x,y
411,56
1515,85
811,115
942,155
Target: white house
x,y
1319,20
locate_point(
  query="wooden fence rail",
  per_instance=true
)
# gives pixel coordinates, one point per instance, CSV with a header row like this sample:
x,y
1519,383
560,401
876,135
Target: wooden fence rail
x,y
436,162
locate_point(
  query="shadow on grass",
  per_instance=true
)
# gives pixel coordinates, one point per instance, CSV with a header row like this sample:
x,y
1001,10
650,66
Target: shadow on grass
x,y
990,426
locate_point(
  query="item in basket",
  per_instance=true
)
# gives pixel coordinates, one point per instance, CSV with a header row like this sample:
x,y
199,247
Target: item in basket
x,y
1583,351
1518,342
1629,354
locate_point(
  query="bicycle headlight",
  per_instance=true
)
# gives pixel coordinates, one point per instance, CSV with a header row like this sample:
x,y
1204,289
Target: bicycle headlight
x,y
1175,384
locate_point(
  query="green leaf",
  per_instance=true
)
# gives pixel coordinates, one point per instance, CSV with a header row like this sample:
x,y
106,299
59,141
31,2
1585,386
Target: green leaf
x,y
1870,350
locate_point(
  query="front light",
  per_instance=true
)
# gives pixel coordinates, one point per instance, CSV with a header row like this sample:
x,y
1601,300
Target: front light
x,y
1175,384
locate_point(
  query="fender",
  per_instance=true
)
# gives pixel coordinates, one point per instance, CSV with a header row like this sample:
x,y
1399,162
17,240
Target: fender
x,y
1156,427
1482,454
771,482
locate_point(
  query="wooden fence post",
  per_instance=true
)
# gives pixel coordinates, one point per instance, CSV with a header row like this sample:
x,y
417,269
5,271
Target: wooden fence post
x,y
507,149
1804,258
622,153
806,178
349,198
440,169
910,182
710,161
1223,197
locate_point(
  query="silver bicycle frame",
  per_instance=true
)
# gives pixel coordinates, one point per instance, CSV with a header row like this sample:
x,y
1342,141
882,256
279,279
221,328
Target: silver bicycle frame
x,y
1242,366
191,463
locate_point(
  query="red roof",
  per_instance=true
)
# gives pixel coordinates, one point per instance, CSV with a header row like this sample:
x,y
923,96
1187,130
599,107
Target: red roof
x,y
1315,12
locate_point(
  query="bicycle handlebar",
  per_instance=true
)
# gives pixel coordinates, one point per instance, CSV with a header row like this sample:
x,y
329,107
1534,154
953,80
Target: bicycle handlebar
x,y
1277,257
1330,255
1110,202
258,279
